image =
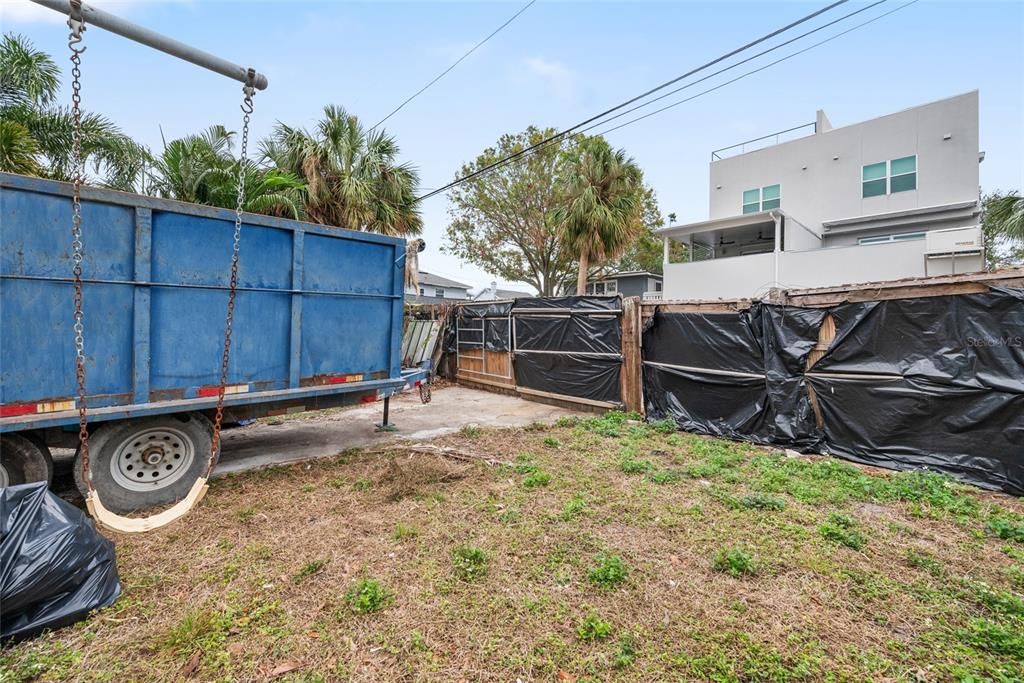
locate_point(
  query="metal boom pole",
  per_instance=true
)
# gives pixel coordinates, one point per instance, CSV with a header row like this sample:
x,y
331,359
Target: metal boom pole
x,y
97,17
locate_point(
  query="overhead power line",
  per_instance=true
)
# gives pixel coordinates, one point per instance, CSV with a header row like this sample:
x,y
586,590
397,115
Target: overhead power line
x,y
454,64
773,48
592,119
753,71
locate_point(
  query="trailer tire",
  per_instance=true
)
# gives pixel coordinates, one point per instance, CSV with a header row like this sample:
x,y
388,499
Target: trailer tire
x,y
146,462
23,460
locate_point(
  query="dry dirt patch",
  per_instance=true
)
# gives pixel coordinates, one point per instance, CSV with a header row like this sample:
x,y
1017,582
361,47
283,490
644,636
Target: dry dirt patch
x,y
602,549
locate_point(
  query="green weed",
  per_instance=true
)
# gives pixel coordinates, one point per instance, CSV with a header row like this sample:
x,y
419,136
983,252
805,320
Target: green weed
x,y
246,514
404,532
841,529
308,569
609,571
761,501
536,479
1006,528
593,627
665,476
735,562
362,485
470,431
926,562
665,426
552,442
368,595
993,637
574,507
630,465
470,563
200,629
625,652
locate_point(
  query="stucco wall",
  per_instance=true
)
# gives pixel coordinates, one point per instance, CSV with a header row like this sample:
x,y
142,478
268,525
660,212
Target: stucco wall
x,y
726,278
815,187
752,276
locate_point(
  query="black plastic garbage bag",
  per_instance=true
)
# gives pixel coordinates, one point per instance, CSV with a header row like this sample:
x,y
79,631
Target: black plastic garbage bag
x,y
54,566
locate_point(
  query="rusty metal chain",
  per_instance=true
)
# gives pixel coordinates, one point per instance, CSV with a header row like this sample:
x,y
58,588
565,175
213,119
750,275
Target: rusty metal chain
x,y
76,22
248,91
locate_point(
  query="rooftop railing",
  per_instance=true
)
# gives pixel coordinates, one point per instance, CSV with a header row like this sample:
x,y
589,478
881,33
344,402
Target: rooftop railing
x,y
742,146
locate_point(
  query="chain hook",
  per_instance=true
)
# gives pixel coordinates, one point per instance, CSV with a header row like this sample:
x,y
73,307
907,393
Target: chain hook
x,y
76,22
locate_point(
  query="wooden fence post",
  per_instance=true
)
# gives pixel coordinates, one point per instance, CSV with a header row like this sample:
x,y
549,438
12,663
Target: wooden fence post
x,y
631,376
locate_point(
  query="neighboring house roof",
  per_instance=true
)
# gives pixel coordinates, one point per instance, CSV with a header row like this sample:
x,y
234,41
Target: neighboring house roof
x,y
427,300
431,280
625,273
489,294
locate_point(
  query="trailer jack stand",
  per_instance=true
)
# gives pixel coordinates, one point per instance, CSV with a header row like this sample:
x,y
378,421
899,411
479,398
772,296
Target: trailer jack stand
x,y
385,425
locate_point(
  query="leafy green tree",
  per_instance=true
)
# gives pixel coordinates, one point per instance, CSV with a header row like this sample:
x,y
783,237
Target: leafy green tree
x,y
203,169
601,212
1003,226
647,252
503,221
29,80
352,178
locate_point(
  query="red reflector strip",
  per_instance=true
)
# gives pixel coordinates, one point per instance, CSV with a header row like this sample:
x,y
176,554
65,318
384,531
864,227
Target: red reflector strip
x,y
342,379
23,409
206,392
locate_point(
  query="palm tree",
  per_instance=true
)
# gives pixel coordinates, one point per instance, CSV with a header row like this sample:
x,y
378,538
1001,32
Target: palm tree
x,y
202,169
29,80
1007,215
352,177
601,209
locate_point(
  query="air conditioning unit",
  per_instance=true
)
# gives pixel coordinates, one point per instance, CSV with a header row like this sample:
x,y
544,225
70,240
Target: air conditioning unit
x,y
938,243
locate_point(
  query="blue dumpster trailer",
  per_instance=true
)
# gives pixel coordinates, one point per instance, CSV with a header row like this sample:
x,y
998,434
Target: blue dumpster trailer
x,y
318,324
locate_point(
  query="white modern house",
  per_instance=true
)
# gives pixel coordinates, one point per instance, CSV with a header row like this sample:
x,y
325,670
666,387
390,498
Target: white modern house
x,y
889,198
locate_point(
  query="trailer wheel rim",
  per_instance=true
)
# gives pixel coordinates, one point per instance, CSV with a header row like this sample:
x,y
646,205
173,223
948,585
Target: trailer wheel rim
x,y
152,459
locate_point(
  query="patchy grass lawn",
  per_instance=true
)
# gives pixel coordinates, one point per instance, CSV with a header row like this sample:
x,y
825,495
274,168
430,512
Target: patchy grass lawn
x,y
604,550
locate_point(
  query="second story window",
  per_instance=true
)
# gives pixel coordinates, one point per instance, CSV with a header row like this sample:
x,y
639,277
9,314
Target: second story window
x,y
887,177
438,292
762,199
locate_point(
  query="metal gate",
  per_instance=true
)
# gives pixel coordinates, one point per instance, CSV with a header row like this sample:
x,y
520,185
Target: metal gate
x,y
482,337
568,349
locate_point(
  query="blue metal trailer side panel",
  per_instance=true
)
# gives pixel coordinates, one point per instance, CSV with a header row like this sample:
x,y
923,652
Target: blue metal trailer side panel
x,y
315,305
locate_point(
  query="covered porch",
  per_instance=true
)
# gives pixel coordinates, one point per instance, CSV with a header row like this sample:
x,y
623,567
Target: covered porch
x,y
746,235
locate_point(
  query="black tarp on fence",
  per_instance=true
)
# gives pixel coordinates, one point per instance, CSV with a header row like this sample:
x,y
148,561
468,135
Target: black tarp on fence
x,y
569,345
733,374
933,382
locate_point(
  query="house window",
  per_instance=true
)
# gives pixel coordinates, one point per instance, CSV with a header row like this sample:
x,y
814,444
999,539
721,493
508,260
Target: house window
x,y
657,286
898,237
439,292
888,177
421,292
611,287
762,199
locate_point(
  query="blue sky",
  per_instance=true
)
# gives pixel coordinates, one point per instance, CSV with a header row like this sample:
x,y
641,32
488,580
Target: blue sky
x,y
557,64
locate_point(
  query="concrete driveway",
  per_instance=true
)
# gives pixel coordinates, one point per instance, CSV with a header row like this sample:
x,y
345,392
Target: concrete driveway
x,y
319,435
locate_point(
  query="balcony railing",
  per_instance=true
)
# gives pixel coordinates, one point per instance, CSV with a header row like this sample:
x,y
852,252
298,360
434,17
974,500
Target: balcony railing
x,y
742,146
